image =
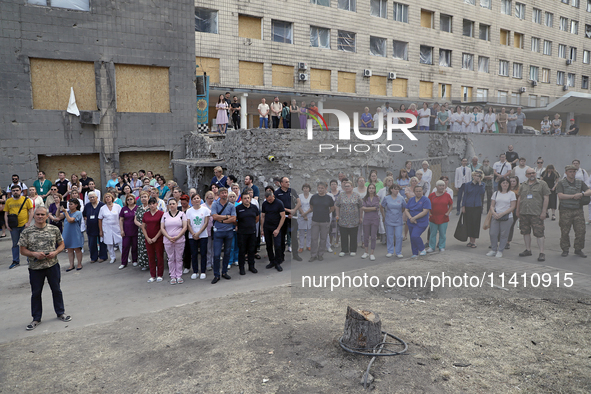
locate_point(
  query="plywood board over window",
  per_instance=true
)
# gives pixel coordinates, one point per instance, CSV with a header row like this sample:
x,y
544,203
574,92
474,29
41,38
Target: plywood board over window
x,y
142,88
51,81
347,82
249,27
282,76
156,161
209,66
377,85
400,87
251,73
425,89
72,164
319,79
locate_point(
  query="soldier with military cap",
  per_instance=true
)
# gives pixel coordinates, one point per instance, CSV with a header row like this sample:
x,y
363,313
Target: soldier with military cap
x,y
570,192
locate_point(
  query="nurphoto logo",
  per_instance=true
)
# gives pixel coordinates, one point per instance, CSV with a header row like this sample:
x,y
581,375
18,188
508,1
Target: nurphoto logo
x,y
345,131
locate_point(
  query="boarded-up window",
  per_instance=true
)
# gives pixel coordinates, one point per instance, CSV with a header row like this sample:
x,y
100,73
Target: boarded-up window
x,y
51,81
156,161
504,38
346,82
400,87
377,85
282,76
142,88
444,90
518,40
249,27
427,19
319,79
210,66
425,89
251,73
466,93
72,164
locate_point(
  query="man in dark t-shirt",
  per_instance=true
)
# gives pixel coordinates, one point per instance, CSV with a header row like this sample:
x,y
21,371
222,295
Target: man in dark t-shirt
x,y
235,110
62,183
247,217
272,219
321,205
291,203
512,156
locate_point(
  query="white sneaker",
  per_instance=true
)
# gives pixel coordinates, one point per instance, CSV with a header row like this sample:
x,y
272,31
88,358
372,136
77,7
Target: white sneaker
x,y
399,256
144,268
414,256
151,280
194,276
289,249
342,254
423,253
229,266
159,279
491,253
236,263
429,250
353,254
112,261
364,255
134,264
202,276
499,254
186,271
442,249
389,255
329,250
372,257
122,266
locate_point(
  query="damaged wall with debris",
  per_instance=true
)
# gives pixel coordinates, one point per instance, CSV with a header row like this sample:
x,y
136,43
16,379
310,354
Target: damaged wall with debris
x,y
112,33
247,152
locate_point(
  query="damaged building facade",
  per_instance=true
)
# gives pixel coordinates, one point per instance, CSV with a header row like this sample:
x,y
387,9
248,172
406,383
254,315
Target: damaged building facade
x,y
131,67
266,153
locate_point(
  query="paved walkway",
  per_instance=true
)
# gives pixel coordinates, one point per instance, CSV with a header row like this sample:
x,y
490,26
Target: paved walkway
x,y
100,293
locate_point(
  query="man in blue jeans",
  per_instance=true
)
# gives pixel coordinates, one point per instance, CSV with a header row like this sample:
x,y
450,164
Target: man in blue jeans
x,y
224,216
23,208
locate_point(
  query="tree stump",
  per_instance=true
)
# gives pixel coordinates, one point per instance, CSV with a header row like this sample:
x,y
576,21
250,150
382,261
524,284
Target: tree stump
x,y
363,329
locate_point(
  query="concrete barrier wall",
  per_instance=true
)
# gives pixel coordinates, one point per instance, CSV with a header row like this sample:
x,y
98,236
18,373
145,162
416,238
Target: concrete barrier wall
x,y
246,152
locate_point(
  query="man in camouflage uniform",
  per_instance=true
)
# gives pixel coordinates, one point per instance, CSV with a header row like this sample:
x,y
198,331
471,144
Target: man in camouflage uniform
x,y
532,203
570,191
38,243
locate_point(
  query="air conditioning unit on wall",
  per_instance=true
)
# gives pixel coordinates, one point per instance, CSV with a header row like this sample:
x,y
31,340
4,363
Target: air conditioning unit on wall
x,y
367,73
303,77
522,90
302,66
391,75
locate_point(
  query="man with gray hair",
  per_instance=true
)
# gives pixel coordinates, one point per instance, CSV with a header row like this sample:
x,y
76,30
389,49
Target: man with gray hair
x,y
41,243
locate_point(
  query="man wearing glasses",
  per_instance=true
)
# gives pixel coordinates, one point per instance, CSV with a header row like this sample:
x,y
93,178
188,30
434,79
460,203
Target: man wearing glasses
x,y
532,204
16,182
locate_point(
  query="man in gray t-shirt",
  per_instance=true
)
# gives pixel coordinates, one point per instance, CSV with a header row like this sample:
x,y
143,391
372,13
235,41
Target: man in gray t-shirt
x,y
519,121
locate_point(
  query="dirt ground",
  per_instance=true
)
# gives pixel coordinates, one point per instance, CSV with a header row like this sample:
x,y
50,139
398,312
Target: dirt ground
x,y
271,341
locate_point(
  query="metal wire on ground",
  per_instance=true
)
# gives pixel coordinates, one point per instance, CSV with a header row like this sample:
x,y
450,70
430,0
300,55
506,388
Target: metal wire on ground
x,y
376,351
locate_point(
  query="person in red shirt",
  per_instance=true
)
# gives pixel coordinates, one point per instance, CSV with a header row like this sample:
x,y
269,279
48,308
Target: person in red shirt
x,y
153,237
441,206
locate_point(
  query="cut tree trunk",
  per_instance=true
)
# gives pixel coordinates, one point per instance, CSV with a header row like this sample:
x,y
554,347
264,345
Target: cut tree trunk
x,y
363,329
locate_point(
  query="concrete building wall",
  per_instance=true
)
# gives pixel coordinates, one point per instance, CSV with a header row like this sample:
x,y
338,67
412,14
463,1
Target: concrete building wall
x,y
231,48
131,32
246,152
